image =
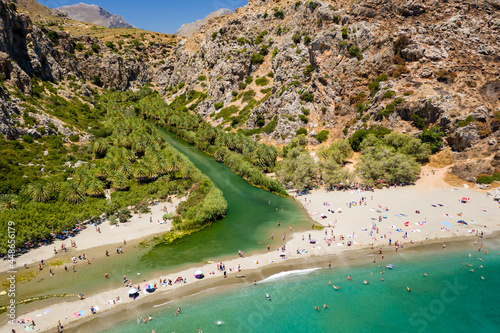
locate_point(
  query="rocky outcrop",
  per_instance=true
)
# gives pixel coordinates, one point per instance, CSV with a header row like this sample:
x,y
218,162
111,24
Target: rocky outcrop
x,y
187,29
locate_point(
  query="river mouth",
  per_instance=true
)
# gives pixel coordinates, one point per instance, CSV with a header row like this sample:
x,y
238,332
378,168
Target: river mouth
x,y
253,214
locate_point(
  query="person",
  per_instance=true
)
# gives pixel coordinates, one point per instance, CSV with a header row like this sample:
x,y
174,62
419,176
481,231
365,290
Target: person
x,y
349,278
330,264
408,288
92,309
66,268
325,306
107,253
106,275
199,330
317,308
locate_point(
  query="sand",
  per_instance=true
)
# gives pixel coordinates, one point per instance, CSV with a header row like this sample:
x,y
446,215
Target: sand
x,y
357,224
138,226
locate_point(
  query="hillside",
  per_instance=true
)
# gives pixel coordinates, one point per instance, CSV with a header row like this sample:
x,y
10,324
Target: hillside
x,y
94,14
187,29
275,68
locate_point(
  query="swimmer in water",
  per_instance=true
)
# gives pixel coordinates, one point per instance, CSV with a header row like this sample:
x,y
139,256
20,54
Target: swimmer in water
x,y
317,308
366,281
325,306
408,288
268,297
349,278
425,274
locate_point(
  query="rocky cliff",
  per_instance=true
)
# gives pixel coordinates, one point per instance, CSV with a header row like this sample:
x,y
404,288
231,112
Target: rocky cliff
x,y
187,29
346,65
275,67
31,52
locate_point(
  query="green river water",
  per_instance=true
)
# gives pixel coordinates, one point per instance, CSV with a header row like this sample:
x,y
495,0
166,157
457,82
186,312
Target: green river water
x,y
250,219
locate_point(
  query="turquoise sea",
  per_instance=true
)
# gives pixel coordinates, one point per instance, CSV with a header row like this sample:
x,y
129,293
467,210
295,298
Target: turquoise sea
x,y
450,298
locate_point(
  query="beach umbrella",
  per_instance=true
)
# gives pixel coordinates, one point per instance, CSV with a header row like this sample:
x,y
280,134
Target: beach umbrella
x,y
312,241
282,254
132,291
198,272
148,286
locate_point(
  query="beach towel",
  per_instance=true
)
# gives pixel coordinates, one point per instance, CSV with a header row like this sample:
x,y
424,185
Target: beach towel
x,y
76,314
81,313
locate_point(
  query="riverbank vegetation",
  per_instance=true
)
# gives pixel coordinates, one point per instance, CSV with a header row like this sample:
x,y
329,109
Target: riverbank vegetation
x,y
385,157
128,165
241,153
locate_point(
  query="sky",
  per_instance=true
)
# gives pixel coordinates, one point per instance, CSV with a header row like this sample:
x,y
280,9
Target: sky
x,y
156,15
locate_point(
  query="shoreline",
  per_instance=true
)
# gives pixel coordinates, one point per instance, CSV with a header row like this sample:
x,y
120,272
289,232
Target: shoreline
x,y
353,221
137,227
165,299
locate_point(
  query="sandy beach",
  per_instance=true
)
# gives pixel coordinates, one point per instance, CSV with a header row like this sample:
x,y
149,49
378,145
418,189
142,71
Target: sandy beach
x,y
139,226
352,222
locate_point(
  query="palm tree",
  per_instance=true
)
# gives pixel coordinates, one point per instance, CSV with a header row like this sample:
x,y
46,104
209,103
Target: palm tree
x,y
139,172
100,147
72,192
8,202
38,192
101,171
119,181
95,188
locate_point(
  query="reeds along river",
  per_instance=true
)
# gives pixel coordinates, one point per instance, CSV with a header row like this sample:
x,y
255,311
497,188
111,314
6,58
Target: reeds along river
x,y
252,214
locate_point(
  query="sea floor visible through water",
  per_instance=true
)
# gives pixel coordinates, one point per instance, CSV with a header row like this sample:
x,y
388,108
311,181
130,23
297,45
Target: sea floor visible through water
x,y
451,298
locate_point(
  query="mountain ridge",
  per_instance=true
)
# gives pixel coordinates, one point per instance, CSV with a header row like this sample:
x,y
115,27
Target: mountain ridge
x,y
94,14
187,29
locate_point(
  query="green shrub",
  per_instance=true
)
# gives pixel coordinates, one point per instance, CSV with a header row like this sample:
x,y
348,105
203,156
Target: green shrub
x,y
485,179
96,48
375,85
322,136
305,111
418,121
307,96
307,39
110,44
248,79
309,69
389,94
54,37
296,38
214,35
234,93
27,138
74,138
344,33
257,58
242,85
433,136
262,81
79,47
467,121
279,14
297,4
218,105
303,118
354,51
301,130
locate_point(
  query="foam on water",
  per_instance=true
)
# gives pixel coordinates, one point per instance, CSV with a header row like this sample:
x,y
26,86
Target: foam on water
x,y
287,274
